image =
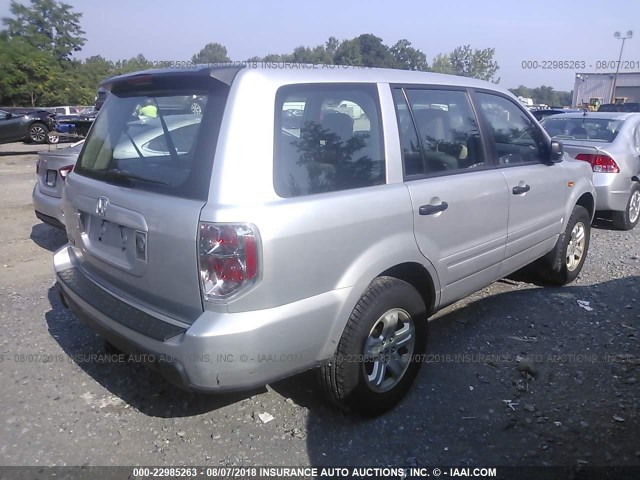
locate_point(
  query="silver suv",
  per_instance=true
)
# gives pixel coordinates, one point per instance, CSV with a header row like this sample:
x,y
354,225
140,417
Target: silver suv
x,y
234,248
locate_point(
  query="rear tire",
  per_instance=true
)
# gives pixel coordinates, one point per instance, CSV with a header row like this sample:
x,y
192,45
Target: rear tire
x,y
563,264
379,353
53,137
628,219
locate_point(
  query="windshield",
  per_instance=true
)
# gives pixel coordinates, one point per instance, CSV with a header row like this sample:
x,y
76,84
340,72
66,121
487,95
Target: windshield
x,y
146,141
587,129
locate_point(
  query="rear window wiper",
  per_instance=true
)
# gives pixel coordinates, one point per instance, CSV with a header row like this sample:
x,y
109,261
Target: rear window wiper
x,y
117,174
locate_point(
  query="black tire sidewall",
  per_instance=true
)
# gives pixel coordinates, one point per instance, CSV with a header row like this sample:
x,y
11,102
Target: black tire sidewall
x,y
579,214
393,293
41,125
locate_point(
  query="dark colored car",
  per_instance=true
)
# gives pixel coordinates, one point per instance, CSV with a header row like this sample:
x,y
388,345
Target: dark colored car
x,y
619,107
27,125
547,112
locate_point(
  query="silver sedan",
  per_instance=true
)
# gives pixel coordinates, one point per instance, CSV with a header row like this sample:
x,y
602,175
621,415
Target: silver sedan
x,y
610,142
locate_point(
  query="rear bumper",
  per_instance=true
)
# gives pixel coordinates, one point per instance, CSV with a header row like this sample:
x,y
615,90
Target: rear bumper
x,y
219,351
612,190
48,208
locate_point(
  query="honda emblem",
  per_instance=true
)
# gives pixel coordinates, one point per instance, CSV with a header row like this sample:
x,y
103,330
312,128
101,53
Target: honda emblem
x,y
101,208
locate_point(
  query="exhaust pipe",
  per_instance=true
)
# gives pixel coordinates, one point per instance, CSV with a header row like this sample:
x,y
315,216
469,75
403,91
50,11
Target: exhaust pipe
x,y
61,296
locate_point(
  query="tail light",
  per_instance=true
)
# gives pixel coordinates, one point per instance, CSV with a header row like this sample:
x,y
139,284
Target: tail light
x,y
228,258
599,163
65,171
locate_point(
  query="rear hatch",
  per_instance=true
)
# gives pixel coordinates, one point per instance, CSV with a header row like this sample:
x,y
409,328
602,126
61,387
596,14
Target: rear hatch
x,y
54,166
138,188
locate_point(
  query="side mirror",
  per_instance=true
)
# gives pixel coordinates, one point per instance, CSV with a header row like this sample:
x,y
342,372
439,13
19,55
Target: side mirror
x,y
557,152
6,116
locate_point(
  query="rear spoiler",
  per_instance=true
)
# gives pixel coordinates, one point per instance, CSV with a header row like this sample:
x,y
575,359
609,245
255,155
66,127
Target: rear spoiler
x,y
223,74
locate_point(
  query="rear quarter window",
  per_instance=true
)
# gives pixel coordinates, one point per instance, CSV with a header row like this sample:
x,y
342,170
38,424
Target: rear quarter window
x,y
327,138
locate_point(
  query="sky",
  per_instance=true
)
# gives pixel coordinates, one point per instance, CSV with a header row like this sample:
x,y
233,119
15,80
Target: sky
x,y
520,31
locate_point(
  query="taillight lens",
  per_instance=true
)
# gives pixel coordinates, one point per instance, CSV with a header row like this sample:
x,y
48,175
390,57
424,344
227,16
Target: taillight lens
x,y
599,163
65,171
228,258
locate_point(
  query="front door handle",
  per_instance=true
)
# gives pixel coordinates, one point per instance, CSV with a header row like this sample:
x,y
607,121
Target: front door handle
x,y
520,189
431,209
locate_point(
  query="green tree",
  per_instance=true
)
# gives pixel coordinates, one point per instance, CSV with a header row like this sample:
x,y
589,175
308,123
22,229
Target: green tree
x,y
331,45
276,57
27,74
544,95
406,57
474,63
211,53
47,25
442,64
348,53
374,52
134,64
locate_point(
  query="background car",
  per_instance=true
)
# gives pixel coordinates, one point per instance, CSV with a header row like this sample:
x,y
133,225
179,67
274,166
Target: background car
x,y
26,125
619,107
67,110
52,169
610,142
547,112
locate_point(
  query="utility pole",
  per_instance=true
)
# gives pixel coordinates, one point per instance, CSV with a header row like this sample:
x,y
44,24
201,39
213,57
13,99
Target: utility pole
x,y
619,36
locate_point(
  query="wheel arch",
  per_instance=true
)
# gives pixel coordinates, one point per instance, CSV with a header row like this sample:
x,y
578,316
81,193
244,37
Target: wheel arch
x,y
587,201
418,277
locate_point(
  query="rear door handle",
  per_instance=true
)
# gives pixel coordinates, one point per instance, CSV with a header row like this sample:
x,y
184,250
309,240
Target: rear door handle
x,y
520,189
431,209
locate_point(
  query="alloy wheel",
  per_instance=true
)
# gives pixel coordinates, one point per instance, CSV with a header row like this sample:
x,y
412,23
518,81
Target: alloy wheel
x,y
388,350
575,249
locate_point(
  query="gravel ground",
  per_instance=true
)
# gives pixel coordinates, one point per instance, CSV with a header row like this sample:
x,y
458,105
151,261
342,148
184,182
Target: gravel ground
x,y
517,375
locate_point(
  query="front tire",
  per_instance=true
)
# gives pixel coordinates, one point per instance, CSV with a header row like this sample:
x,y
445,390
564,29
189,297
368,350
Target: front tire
x,y
378,356
38,132
563,264
195,108
628,219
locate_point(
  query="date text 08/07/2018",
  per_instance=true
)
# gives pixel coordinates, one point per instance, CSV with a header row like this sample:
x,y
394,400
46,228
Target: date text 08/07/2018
x,y
580,64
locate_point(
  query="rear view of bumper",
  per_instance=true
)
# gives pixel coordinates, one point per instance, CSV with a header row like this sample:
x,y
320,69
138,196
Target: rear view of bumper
x,y
220,351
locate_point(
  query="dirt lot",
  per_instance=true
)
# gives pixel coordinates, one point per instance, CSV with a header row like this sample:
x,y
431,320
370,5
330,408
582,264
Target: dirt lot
x,y
573,400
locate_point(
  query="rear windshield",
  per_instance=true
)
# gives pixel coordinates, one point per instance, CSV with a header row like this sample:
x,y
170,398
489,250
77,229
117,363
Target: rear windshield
x,y
152,141
584,129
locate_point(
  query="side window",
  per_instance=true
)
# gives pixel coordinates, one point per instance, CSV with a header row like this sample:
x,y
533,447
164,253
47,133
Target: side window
x,y
328,138
516,138
445,136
